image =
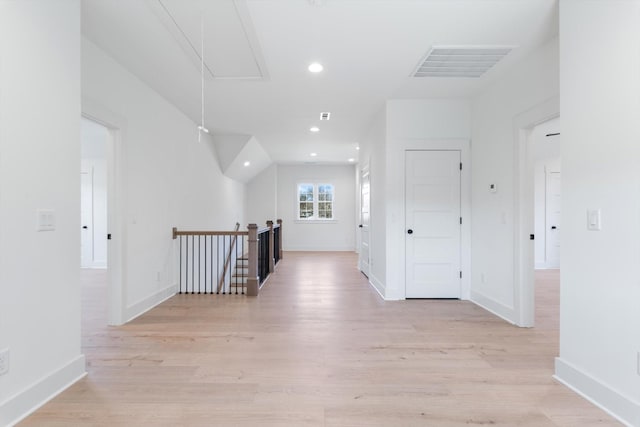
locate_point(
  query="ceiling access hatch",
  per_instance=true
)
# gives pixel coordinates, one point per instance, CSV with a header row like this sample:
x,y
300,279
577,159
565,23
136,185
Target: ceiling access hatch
x,y
223,27
460,61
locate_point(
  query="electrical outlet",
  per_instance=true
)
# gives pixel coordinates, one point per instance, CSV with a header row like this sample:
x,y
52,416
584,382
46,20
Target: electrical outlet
x,y
4,361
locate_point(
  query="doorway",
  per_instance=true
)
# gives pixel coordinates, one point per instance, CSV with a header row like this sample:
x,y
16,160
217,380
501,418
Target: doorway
x,y
545,140
93,195
102,240
365,210
525,125
433,222
93,221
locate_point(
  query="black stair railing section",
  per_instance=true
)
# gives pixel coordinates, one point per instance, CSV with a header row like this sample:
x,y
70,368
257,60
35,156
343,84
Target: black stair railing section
x,y
276,243
263,254
226,262
211,262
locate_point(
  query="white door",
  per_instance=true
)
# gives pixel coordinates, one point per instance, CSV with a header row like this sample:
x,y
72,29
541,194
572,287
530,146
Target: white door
x,y
364,221
432,224
86,219
552,230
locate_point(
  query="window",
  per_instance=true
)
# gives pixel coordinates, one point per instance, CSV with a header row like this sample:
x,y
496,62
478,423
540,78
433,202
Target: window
x,y
315,201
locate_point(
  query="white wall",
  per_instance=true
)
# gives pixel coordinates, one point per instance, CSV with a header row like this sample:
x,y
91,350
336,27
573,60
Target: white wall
x,y
600,278
337,235
494,111
415,125
93,140
546,157
39,169
169,178
262,197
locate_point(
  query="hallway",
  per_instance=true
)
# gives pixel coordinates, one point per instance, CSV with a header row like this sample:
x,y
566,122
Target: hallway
x,y
318,347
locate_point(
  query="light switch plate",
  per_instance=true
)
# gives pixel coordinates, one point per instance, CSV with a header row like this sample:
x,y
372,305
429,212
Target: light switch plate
x,y
594,221
4,361
46,220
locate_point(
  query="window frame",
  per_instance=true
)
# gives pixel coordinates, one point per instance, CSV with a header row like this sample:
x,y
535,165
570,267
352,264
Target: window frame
x,y
316,202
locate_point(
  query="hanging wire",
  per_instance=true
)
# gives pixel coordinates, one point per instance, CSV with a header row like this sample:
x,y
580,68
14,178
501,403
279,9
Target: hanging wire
x,y
202,128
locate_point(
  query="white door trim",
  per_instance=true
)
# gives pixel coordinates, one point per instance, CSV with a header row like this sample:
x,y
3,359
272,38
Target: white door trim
x,y
524,251
361,172
115,207
395,214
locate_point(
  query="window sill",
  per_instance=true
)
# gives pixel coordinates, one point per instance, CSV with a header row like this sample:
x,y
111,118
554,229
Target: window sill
x,y
315,221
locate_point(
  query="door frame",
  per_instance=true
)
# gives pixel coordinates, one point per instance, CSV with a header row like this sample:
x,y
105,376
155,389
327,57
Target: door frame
x,y
406,226
116,125
395,210
361,171
524,250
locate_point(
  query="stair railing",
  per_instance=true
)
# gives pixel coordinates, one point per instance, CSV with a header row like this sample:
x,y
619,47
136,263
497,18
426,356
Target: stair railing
x,y
213,262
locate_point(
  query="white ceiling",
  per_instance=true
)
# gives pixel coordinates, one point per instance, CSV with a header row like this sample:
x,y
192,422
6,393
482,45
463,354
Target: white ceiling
x,y
258,52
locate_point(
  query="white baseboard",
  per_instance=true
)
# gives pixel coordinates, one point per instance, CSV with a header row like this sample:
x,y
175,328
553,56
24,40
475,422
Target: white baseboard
x,y
377,285
317,249
609,400
500,310
151,301
21,405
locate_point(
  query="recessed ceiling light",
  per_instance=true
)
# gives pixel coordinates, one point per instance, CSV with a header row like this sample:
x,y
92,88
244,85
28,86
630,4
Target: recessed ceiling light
x,y
247,164
316,67
314,129
352,160
313,154
357,147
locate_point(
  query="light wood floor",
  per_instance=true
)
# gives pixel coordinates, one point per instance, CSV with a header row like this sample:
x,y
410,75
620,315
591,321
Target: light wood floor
x,y
318,347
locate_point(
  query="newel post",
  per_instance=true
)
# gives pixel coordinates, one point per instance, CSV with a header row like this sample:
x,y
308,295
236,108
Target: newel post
x,y
272,260
253,284
280,239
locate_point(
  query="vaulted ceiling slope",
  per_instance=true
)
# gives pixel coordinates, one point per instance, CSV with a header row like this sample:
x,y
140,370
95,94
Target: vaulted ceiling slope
x,y
257,52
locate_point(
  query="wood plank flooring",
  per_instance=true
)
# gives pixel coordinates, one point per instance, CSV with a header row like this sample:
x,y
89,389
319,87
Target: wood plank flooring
x,y
318,347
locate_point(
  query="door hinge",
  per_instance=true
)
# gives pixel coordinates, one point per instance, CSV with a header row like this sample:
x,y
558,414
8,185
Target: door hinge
x,y
460,220
109,236
460,165
461,274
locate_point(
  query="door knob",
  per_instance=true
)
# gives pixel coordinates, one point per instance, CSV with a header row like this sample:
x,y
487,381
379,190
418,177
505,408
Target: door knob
x,y
84,227
553,227
360,226
409,231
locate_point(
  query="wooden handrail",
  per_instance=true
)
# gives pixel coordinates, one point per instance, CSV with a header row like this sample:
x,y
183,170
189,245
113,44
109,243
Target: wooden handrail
x,y
228,260
177,233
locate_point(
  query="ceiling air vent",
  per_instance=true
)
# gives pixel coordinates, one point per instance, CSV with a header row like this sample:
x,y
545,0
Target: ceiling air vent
x,y
325,115
460,61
